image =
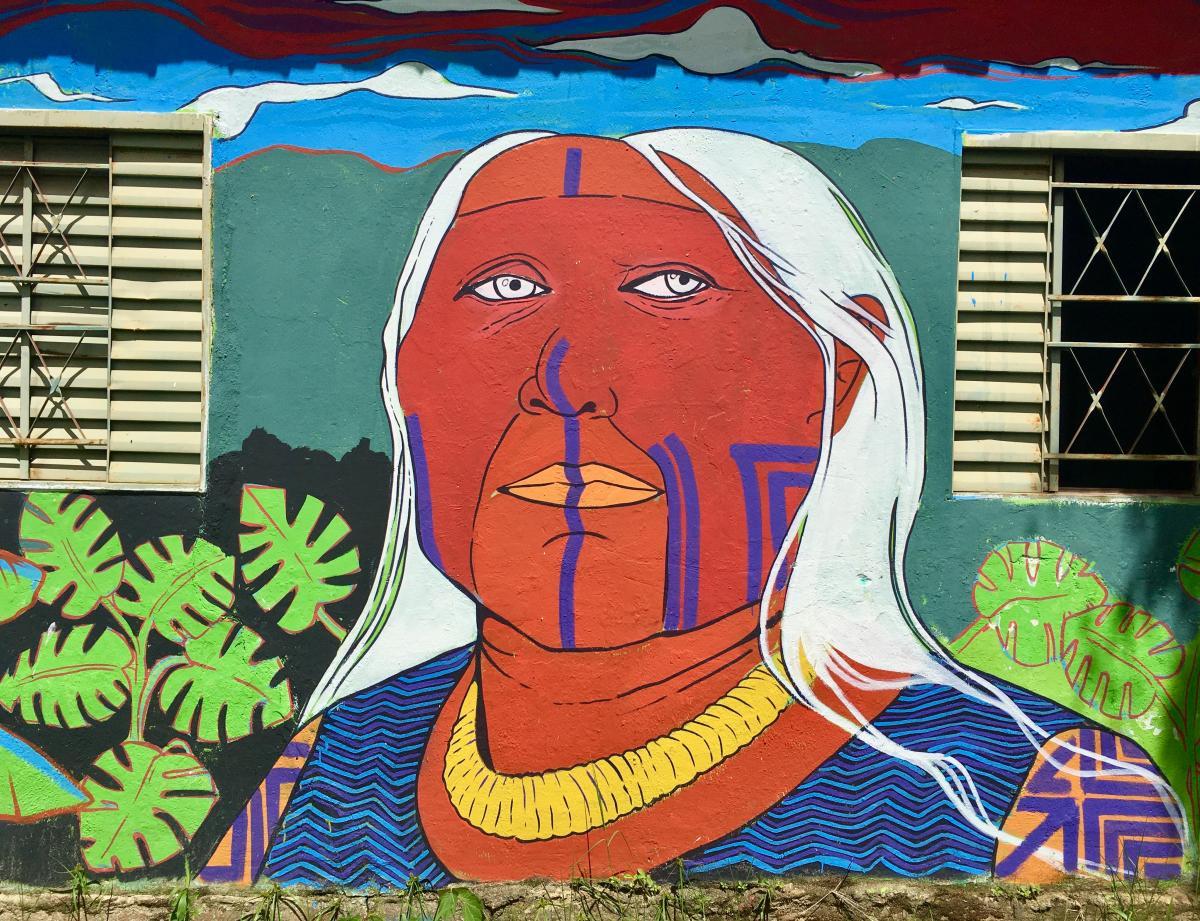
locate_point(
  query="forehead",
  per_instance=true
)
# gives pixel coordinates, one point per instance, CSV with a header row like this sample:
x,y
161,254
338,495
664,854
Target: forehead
x,y
583,231
567,167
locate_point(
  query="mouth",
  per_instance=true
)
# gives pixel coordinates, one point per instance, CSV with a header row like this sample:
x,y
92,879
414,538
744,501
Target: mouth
x,y
588,485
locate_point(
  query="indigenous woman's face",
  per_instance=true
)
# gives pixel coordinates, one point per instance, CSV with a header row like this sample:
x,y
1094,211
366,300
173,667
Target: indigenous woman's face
x,y
611,423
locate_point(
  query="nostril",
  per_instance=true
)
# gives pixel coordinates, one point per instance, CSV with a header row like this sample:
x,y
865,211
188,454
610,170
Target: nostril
x,y
539,404
587,408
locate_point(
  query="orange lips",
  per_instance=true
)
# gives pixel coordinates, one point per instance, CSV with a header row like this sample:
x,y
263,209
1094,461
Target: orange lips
x,y
602,487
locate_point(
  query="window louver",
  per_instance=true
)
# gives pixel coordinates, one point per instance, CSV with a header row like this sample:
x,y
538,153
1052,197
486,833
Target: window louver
x,y
1000,363
103,287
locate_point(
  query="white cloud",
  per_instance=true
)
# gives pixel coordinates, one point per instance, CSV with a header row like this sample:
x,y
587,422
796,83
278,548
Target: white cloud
x,y
963,104
234,106
448,6
1072,64
48,87
1187,123
721,41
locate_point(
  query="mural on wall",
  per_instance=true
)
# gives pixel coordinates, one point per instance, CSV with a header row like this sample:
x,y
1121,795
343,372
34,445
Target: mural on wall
x,y
642,556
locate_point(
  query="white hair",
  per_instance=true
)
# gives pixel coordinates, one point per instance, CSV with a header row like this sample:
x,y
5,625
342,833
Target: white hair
x,y
846,603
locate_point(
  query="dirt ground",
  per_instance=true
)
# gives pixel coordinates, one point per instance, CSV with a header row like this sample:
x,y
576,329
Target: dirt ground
x,y
634,899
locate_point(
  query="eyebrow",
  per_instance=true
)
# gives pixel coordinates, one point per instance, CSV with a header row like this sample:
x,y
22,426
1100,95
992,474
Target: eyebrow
x,y
532,261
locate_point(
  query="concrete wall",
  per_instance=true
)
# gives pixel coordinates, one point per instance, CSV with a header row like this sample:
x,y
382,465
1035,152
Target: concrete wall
x,y
661,406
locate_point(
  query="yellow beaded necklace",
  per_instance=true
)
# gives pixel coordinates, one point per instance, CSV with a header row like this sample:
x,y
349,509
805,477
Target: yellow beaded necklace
x,y
573,800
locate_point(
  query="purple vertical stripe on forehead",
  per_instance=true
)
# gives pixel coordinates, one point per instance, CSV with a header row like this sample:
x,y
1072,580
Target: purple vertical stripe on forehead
x,y
572,169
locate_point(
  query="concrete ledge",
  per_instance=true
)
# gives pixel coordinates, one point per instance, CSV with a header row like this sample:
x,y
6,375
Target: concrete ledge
x,y
640,899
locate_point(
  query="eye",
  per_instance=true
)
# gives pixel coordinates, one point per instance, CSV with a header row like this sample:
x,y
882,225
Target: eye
x,y
506,288
669,286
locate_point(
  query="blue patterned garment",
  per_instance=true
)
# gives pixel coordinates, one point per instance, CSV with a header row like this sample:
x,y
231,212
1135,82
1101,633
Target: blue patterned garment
x,y
352,820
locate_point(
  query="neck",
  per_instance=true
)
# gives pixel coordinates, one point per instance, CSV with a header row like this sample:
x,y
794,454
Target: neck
x,y
549,708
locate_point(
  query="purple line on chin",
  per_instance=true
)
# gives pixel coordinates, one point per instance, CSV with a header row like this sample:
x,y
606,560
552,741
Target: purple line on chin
x,y
569,567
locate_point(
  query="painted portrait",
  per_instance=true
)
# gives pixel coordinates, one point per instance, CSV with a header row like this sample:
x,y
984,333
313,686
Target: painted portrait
x,y
659,442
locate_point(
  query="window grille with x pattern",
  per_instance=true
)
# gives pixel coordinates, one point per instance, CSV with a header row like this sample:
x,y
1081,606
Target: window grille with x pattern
x,y
103,286
1124,337
55,241
1077,356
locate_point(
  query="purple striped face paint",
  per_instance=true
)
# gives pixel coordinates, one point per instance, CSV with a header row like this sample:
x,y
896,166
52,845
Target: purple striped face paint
x,y
617,422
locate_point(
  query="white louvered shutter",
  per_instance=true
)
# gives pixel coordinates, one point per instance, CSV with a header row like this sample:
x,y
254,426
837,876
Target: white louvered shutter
x,y
103,292
1000,423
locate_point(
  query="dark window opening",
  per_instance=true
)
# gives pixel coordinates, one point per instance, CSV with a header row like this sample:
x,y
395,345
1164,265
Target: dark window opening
x,y
1126,330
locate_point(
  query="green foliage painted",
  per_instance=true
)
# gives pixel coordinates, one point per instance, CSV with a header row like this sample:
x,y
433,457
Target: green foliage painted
x,y
179,590
157,631
1116,664
31,786
156,796
222,686
1026,589
1118,657
301,561
1187,566
19,584
68,682
71,539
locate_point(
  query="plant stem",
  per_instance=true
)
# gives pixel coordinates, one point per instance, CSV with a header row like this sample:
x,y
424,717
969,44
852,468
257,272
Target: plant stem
x,y
137,681
337,630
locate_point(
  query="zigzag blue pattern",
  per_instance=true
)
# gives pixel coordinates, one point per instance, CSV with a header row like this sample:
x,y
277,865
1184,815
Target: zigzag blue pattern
x,y
353,819
863,811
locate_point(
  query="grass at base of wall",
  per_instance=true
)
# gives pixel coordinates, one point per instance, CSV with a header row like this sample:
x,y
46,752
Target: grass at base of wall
x,y
637,897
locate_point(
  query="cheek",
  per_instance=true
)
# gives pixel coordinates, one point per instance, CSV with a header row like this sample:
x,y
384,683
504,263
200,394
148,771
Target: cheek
x,y
457,403
734,425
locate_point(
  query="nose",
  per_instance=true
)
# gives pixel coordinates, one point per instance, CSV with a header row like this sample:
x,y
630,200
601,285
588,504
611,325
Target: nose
x,y
564,385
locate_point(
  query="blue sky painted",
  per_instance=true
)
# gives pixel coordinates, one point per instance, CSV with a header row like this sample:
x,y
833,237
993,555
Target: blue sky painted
x,y
153,64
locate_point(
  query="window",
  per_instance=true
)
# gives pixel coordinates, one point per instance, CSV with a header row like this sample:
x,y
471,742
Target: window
x,y
103,292
1078,335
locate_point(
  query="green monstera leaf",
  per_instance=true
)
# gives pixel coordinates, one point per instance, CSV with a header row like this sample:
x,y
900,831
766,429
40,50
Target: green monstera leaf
x,y
1187,566
143,797
1026,589
71,539
19,584
180,590
1118,658
222,686
302,562
67,682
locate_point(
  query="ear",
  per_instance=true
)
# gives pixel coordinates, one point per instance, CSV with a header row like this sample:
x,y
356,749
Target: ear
x,y
849,369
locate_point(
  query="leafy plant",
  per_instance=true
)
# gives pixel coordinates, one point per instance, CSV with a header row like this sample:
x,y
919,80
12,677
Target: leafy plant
x,y
297,557
1024,592
1047,623
182,906
67,682
159,632
71,539
457,899
213,708
19,584
149,796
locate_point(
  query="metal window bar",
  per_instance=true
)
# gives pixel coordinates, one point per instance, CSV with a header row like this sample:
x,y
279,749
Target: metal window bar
x,y
1061,292
23,347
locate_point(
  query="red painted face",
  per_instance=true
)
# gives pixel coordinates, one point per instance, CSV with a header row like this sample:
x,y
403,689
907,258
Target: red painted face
x,y
611,422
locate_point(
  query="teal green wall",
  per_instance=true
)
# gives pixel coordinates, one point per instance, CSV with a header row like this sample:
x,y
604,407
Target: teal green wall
x,y
308,249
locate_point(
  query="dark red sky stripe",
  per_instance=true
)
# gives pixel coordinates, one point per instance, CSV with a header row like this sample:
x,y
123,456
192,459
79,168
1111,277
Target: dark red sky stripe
x,y
890,33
